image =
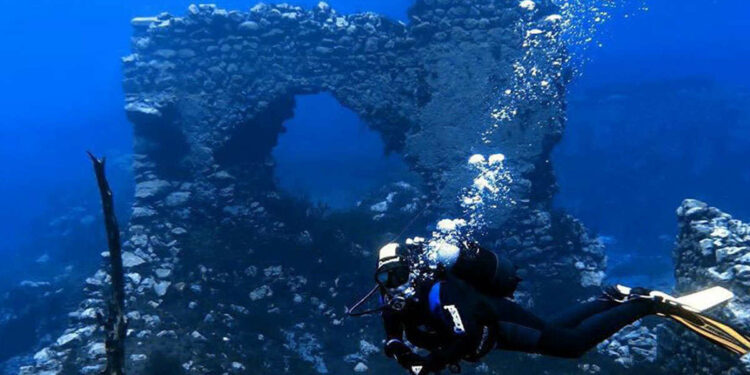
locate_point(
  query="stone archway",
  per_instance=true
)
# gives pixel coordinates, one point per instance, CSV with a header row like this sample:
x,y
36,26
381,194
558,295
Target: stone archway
x,y
428,87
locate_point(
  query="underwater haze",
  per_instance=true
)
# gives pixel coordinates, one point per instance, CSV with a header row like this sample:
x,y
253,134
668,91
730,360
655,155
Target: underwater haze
x,y
274,186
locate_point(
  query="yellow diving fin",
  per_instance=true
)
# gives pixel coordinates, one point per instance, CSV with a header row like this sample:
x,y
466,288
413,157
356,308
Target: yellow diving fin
x,y
714,331
688,311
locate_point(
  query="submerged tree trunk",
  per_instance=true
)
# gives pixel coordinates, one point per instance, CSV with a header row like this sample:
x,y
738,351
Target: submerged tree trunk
x,y
115,324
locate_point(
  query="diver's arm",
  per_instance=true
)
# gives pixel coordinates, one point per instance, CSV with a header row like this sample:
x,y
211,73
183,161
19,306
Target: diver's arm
x,y
394,329
394,346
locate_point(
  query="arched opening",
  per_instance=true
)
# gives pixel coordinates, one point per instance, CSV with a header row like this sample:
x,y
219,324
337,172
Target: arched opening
x,y
328,155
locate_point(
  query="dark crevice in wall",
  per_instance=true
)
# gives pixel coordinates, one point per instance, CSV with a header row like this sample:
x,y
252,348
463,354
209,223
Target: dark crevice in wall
x,y
163,140
249,147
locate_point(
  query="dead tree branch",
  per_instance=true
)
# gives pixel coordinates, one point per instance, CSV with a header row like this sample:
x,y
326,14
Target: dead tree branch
x,y
115,324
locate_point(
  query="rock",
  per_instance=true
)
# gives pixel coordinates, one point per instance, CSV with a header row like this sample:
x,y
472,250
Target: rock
x,y
130,260
135,278
249,26
42,355
527,4
177,198
482,368
97,349
179,231
260,293
379,207
92,370
138,357
745,360
691,207
89,313
150,189
142,212
139,109
168,334
323,6
143,21
160,288
272,272
360,367
251,271
367,348
166,53
162,273
592,278
67,338
197,336
236,366
139,240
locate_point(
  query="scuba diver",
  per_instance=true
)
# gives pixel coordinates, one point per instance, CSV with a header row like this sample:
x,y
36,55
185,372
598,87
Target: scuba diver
x,y
462,309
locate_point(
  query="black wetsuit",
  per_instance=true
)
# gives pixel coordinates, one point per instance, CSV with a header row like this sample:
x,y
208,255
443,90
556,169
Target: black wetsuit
x,y
455,322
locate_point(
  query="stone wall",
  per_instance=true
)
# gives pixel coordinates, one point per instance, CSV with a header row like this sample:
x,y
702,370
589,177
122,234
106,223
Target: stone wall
x,y
228,275
712,249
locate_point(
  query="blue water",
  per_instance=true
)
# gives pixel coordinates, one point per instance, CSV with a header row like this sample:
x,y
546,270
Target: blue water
x,y
324,136
62,96
625,173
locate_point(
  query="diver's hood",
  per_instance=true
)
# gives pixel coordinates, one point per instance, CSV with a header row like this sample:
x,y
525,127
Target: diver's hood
x,y
388,255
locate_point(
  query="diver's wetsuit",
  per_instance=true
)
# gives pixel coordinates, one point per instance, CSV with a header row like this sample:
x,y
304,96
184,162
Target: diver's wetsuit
x,y
455,322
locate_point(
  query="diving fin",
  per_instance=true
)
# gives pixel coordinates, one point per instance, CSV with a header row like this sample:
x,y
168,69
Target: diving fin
x,y
706,299
687,310
697,302
714,331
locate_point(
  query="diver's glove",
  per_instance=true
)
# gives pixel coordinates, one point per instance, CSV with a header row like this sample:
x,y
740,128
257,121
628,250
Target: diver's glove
x,y
405,357
620,294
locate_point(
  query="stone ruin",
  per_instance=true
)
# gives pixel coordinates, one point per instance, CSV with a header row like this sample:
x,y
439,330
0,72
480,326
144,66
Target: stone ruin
x,y
227,274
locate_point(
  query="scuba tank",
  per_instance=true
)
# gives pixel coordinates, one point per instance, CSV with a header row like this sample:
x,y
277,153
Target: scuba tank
x,y
489,273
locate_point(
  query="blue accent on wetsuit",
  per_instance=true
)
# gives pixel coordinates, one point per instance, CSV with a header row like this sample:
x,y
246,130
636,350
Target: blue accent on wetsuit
x,y
434,299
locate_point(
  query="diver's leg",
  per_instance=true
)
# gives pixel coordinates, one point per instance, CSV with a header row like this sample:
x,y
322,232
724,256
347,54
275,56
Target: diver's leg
x,y
517,338
508,311
574,342
573,316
